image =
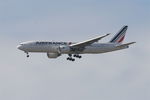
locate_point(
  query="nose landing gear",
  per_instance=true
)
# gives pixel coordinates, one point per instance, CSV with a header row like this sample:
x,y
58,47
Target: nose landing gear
x,y
27,54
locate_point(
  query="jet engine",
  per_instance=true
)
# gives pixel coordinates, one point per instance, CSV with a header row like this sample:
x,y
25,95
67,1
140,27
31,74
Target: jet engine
x,y
53,55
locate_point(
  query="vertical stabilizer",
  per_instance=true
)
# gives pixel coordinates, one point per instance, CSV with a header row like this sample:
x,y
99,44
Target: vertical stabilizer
x,y
119,37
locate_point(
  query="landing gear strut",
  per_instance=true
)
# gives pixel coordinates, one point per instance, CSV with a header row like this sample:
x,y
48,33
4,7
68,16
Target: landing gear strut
x,y
27,54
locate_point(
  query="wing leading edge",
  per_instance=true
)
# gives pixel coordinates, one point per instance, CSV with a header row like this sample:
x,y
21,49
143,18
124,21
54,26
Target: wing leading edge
x,y
87,42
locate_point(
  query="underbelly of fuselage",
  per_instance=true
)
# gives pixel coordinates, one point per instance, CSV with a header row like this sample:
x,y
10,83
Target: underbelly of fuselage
x,y
88,50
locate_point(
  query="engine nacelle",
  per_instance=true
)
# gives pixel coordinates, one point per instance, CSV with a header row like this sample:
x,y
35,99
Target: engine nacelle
x,y
53,55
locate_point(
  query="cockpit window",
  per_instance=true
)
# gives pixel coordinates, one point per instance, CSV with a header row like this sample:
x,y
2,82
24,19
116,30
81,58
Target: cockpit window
x,y
21,43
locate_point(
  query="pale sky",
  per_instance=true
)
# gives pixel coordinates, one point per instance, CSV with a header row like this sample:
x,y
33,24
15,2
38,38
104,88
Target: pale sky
x,y
120,75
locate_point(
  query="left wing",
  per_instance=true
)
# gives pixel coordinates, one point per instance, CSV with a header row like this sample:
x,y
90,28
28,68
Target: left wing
x,y
87,42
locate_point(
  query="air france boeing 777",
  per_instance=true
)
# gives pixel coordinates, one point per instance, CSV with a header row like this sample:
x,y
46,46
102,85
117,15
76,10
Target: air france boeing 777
x,y
91,46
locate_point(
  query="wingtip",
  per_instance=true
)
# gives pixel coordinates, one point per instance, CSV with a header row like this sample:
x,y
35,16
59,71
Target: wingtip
x,y
108,34
126,26
133,42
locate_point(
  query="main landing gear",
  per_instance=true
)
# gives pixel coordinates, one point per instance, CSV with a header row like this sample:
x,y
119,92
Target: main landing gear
x,y
72,59
77,56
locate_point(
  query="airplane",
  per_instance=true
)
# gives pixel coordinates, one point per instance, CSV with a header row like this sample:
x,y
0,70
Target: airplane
x,y
75,49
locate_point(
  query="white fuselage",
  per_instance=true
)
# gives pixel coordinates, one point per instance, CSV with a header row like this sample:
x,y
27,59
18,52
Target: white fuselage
x,y
52,47
90,46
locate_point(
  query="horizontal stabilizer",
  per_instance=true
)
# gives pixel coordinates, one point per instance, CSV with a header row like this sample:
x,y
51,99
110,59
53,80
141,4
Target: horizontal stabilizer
x,y
127,44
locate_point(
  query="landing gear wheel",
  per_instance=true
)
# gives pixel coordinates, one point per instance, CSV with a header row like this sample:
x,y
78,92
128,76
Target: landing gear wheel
x,y
27,54
72,59
77,56
80,56
68,58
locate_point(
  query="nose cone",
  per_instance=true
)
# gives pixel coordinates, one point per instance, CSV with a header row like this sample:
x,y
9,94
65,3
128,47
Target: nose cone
x,y
20,47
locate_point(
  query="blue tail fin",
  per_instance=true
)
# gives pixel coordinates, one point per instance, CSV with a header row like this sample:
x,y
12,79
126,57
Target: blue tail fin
x,y
119,37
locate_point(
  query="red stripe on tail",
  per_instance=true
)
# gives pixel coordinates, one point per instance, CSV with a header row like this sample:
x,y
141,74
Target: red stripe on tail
x,y
121,39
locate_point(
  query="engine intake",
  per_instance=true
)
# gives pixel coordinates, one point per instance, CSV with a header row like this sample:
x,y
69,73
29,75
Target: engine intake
x,y
53,55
